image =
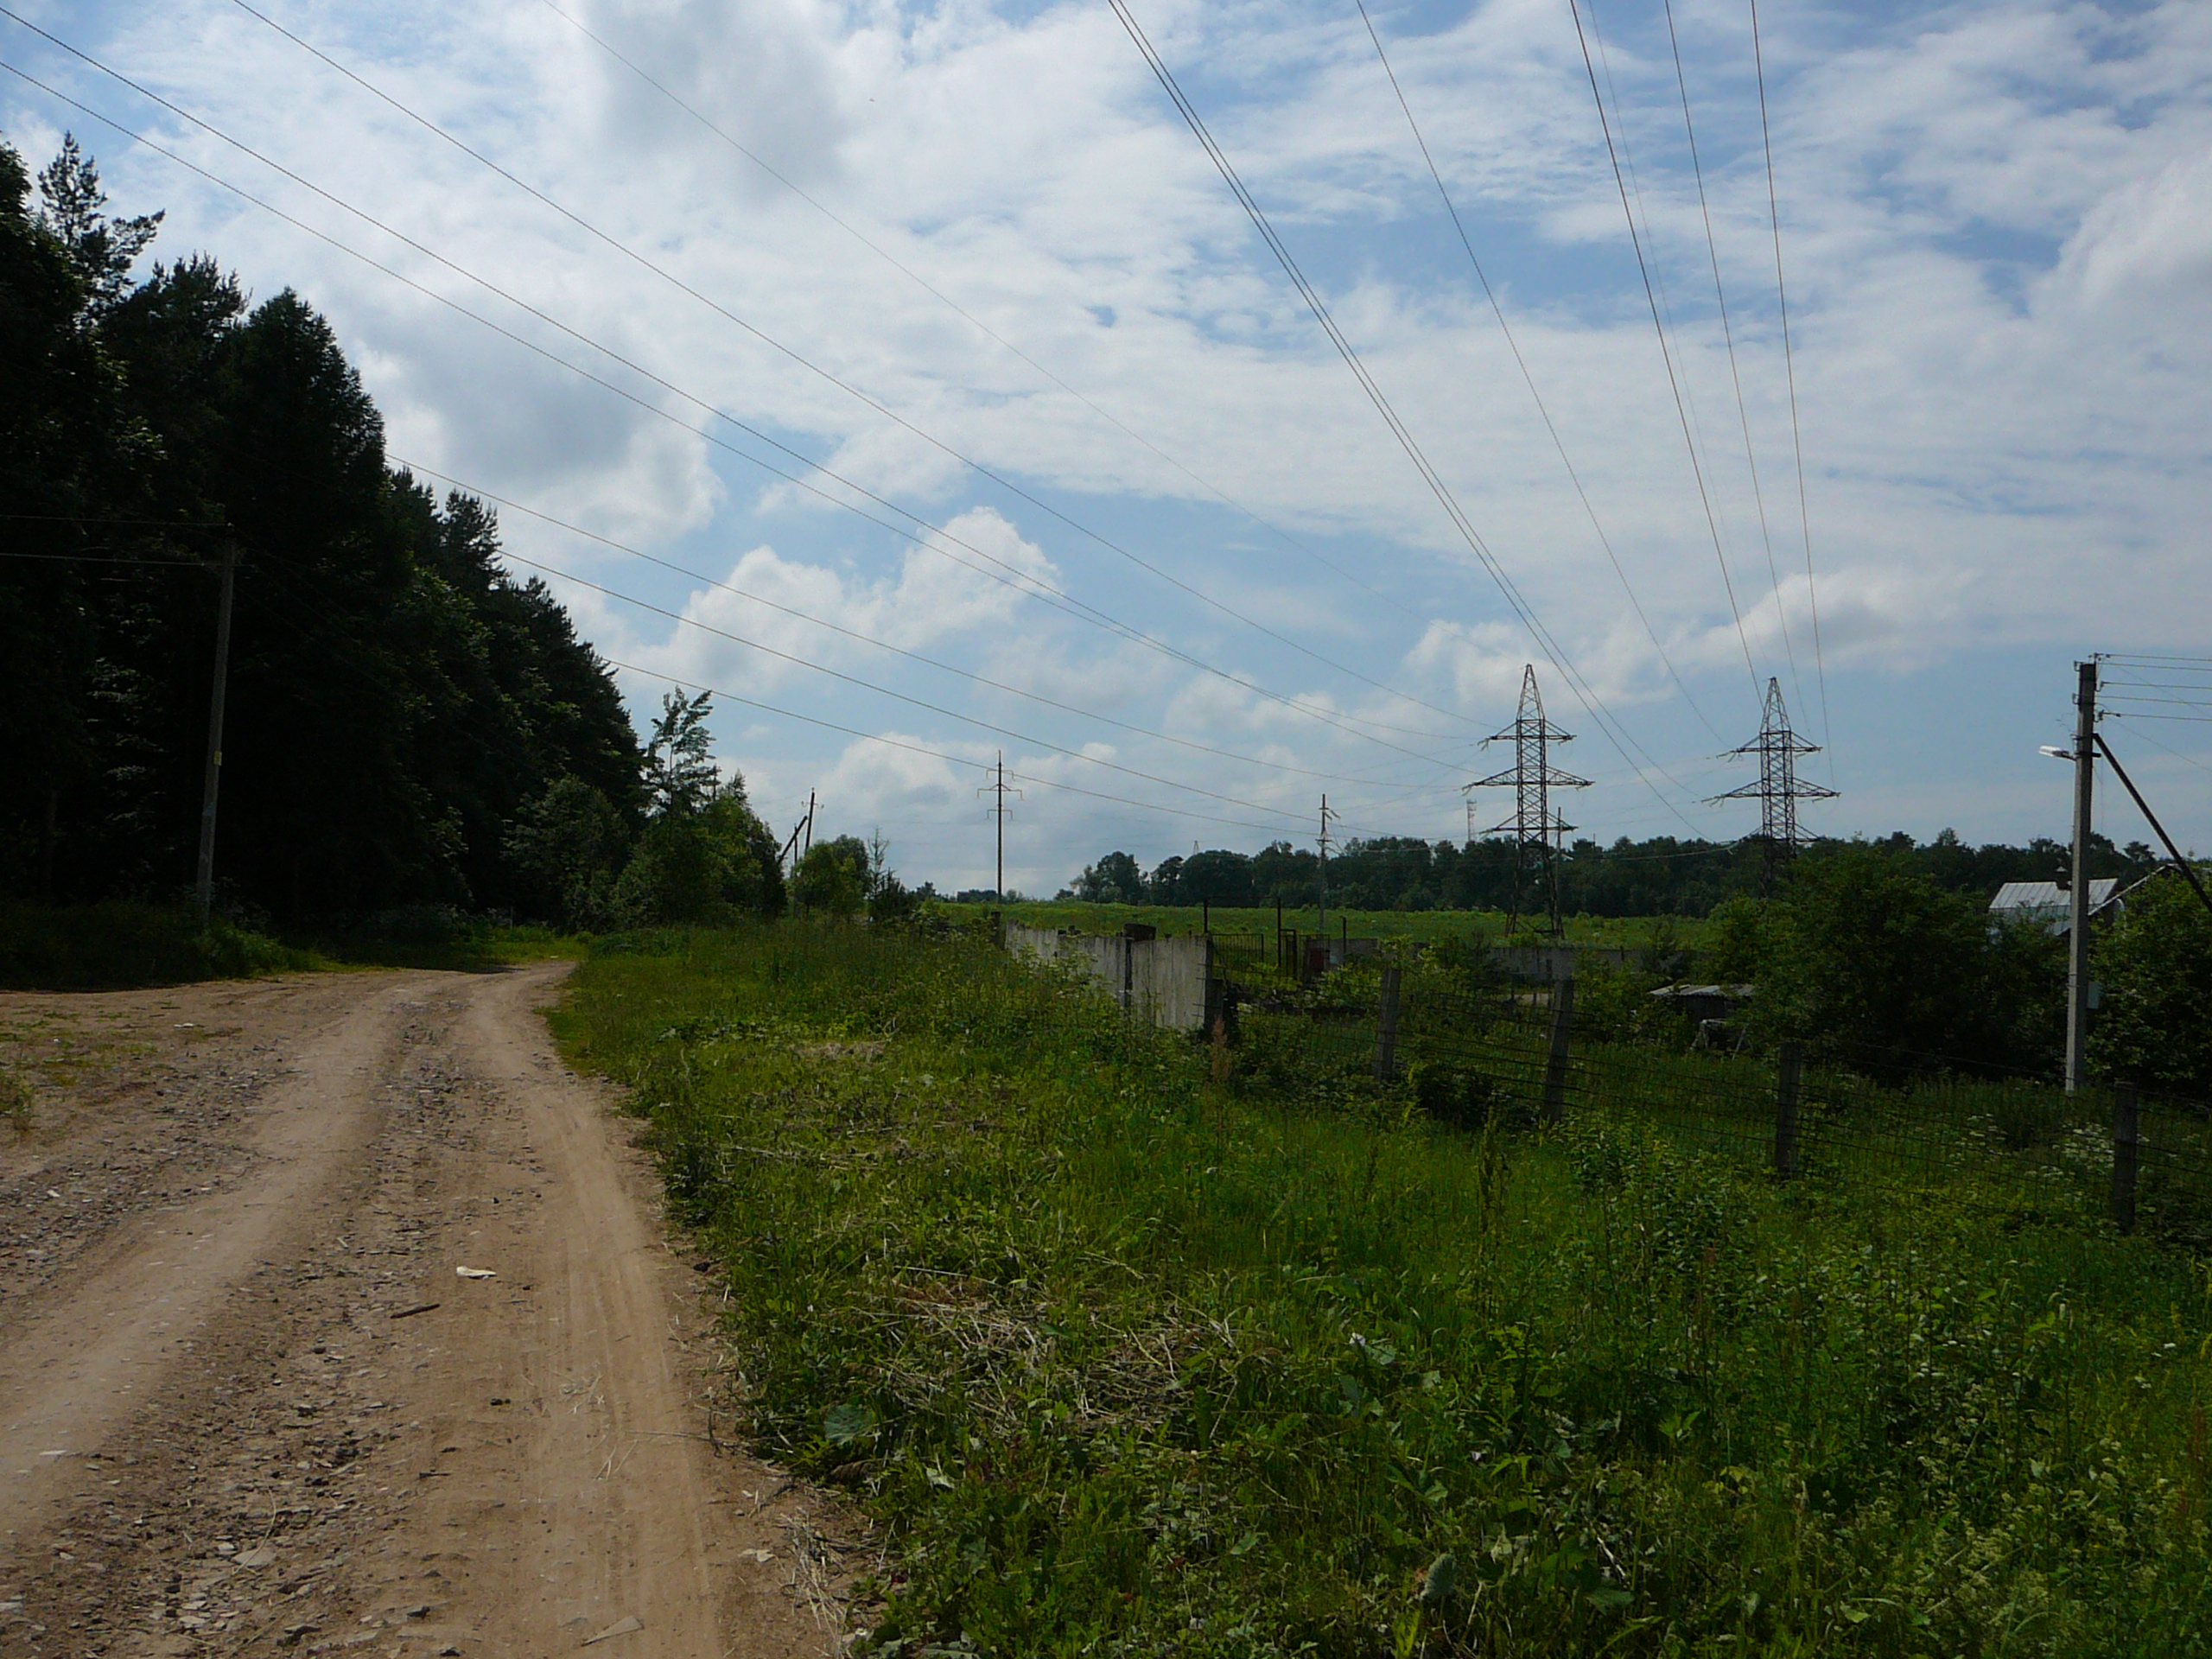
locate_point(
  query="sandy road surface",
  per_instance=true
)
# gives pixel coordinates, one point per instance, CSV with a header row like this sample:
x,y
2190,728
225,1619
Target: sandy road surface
x,y
247,1404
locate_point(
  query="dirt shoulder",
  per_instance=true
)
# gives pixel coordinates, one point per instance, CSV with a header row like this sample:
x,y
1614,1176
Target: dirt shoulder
x,y
247,1404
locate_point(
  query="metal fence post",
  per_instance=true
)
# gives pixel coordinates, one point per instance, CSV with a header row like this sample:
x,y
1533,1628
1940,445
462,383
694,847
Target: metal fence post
x,y
2125,1147
1787,1070
1555,1062
1386,1027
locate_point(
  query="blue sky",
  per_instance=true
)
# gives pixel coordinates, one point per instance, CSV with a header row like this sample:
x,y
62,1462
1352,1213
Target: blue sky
x,y
1996,223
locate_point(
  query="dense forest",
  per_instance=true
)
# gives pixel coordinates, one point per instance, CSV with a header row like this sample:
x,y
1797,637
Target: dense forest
x,y
1660,877
406,724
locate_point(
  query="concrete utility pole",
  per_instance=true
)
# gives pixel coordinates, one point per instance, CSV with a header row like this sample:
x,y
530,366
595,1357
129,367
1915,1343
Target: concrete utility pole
x,y
203,889
2077,942
998,810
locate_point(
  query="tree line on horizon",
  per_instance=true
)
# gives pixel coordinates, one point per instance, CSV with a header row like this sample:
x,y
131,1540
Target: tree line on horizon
x,y
1661,876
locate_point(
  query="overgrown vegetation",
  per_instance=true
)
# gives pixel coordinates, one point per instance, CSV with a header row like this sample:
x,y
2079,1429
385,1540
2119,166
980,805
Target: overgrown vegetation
x,y
120,942
1129,1362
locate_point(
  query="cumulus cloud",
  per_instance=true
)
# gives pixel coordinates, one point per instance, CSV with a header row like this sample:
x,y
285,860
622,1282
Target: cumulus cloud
x,y
1995,219
972,578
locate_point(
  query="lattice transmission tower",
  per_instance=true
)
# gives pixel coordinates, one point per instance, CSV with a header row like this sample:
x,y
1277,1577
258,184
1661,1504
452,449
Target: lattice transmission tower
x,y
1779,788
1539,832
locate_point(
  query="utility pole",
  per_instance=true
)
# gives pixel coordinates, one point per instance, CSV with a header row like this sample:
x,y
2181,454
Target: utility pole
x,y
999,810
809,847
1779,789
1532,778
203,889
2078,907
1322,839
804,827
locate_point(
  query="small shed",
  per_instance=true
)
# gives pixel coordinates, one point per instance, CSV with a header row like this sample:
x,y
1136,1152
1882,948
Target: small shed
x,y
1704,1002
2051,906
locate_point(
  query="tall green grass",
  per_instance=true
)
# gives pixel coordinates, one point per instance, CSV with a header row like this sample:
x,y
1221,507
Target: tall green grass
x,y
1131,1361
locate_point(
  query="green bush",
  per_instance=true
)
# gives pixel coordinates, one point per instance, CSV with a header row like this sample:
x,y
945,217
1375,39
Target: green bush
x,y
833,879
121,943
2156,964
1866,958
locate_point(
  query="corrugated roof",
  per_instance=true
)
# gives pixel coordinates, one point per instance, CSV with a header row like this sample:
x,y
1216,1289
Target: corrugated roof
x,y
2049,895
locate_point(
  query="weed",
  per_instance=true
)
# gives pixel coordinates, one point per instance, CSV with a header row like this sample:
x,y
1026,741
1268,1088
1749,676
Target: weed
x,y
16,1103
1129,1362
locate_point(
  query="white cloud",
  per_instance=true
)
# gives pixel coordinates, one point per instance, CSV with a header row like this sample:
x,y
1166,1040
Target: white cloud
x,y
969,580
1995,217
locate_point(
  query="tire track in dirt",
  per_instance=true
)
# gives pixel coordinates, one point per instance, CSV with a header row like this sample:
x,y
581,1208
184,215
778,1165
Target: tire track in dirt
x,y
331,1442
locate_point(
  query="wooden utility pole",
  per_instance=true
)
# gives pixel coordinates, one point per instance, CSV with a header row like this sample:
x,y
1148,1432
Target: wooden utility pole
x,y
1788,1071
203,889
1321,932
1556,1060
2077,942
2127,1132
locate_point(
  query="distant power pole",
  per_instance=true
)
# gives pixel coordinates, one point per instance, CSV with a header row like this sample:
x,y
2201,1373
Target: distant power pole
x,y
804,827
2078,907
1535,826
1322,841
203,890
999,810
1779,788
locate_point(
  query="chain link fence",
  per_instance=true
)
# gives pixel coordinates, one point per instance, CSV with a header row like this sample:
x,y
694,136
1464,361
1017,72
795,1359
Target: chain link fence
x,y
1840,1116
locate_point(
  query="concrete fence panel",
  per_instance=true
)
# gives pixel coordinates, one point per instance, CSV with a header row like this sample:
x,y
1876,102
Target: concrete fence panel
x,y
1160,980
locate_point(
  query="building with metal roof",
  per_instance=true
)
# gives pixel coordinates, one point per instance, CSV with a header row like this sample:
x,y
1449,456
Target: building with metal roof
x,y
2052,906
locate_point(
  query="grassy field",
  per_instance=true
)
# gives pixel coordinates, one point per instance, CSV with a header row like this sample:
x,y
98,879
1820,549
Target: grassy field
x,y
1129,1359
1633,932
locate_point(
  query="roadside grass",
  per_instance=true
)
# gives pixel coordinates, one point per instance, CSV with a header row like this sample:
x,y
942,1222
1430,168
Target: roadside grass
x,y
436,937
1128,1362
122,944
1632,933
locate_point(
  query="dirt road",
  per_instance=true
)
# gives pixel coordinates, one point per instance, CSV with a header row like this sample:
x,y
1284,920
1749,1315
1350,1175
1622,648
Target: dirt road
x,y
248,1403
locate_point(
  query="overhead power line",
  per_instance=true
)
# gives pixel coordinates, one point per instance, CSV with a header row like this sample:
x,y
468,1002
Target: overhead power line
x,y
967,316
968,675
1020,581
1528,378
797,661
1665,353
1789,367
977,467
1728,337
1586,694
911,747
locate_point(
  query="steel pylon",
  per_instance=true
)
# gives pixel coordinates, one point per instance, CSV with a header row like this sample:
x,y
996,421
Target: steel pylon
x,y
1779,788
1539,831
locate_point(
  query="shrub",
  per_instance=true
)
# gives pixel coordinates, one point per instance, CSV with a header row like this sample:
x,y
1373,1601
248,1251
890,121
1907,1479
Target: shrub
x,y
122,942
2156,964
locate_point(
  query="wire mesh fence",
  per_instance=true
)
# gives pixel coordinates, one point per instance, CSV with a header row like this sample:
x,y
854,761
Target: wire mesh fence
x,y
1873,1116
